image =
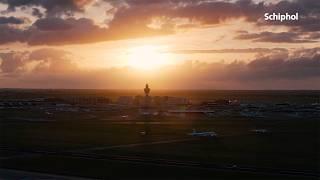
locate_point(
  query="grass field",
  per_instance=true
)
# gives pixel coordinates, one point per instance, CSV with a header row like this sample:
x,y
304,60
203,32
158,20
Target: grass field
x,y
291,144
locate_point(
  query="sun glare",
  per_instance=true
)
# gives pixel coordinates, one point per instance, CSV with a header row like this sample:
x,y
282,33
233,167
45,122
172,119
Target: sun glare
x,y
147,57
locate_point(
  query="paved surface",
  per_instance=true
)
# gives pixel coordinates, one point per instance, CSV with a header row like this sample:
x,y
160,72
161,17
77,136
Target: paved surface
x,y
135,145
23,175
10,174
22,155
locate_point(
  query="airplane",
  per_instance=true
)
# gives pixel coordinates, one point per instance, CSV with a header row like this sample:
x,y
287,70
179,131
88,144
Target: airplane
x,y
202,134
260,131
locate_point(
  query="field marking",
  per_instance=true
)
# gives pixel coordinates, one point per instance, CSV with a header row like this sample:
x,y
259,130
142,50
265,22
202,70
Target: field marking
x,y
135,145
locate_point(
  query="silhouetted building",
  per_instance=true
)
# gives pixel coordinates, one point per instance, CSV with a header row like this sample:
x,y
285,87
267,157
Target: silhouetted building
x,y
147,90
125,100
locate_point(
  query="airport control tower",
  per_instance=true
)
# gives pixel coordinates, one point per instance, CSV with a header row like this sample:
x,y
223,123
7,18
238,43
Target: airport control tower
x,y
147,90
147,98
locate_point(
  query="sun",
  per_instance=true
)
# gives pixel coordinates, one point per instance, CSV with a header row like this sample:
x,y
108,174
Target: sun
x,y
147,57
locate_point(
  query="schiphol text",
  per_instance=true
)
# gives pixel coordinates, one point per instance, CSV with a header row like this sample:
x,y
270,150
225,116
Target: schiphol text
x,y
281,17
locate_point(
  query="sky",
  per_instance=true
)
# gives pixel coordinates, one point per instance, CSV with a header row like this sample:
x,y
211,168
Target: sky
x,y
170,44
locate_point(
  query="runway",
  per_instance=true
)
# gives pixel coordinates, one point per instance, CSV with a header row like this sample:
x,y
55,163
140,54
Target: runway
x,y
236,168
135,145
26,175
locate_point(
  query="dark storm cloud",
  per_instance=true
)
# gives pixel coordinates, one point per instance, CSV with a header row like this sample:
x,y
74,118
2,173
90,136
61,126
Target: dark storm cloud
x,y
11,20
281,37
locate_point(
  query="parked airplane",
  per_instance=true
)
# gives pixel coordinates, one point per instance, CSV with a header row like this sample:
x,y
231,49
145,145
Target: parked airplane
x,y
260,131
203,134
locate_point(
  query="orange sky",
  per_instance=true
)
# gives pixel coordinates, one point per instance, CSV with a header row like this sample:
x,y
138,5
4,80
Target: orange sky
x,y
178,44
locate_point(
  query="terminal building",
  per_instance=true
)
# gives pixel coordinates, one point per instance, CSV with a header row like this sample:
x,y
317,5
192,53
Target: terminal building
x,y
152,101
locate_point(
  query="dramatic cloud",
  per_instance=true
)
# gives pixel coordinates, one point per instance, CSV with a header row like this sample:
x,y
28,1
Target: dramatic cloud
x,y
53,31
37,13
58,31
301,65
309,14
282,37
297,70
53,7
12,62
205,12
19,63
213,12
143,18
250,50
11,20
56,69
9,34
53,24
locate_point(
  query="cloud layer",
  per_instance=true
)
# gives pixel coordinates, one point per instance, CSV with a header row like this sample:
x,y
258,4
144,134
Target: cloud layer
x,y
51,68
141,18
286,53
52,7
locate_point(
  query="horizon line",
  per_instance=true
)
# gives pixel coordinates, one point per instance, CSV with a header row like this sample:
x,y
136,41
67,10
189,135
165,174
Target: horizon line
x,y
160,89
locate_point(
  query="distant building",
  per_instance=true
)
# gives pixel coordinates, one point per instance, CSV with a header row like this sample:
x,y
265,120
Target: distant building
x,y
220,103
125,100
88,100
151,104
177,101
138,100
